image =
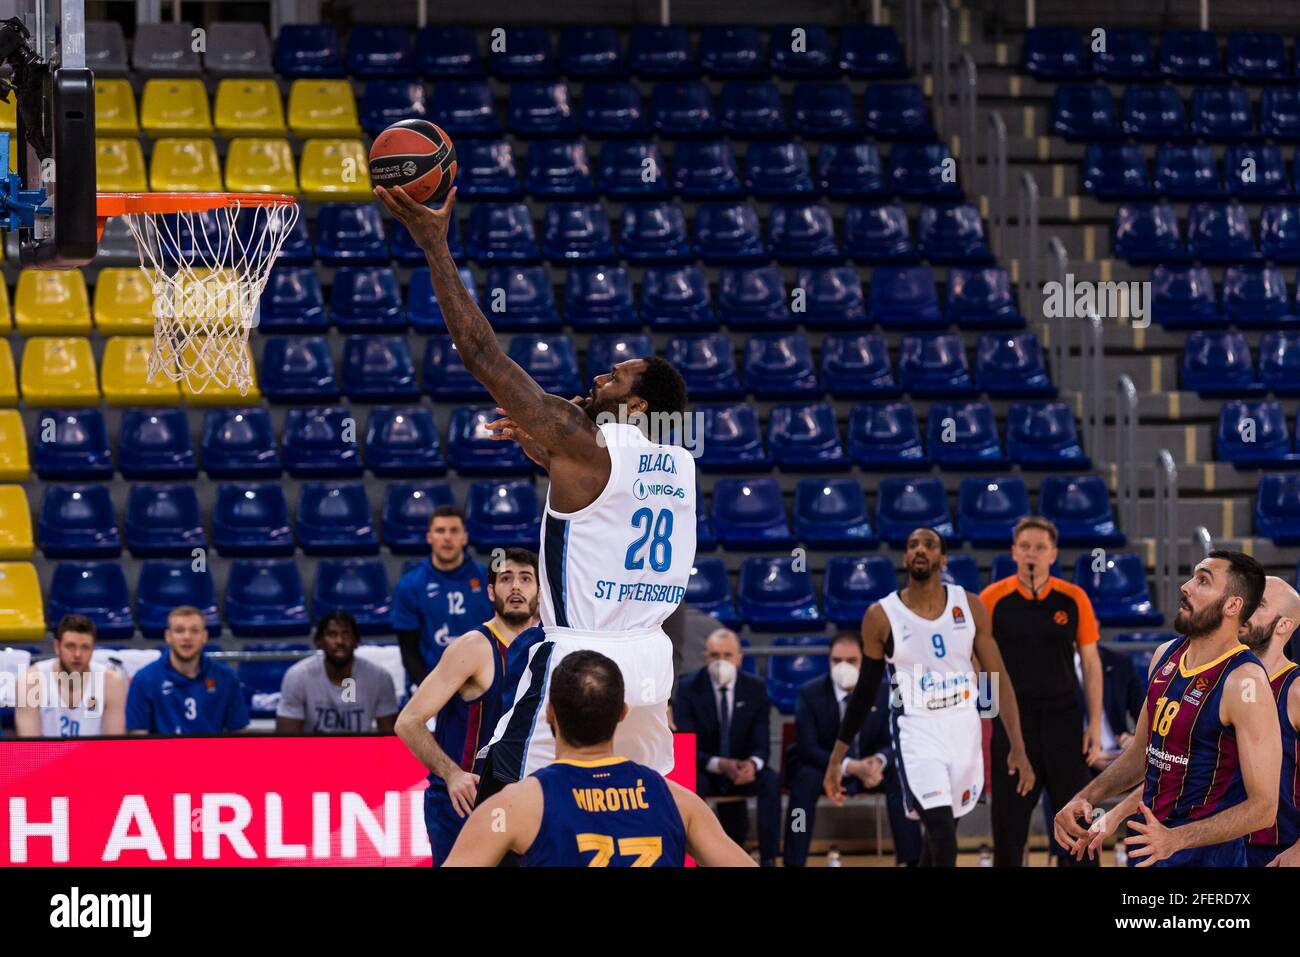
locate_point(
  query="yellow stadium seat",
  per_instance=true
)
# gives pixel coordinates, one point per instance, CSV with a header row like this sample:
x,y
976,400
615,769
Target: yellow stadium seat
x,y
175,108
185,166
14,466
115,113
9,115
8,375
22,616
119,167
123,302
59,371
125,374
335,171
260,166
249,108
6,323
52,302
15,523
323,108
213,393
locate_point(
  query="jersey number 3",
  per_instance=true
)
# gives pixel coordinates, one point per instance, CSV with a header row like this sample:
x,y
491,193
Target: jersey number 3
x,y
658,529
646,850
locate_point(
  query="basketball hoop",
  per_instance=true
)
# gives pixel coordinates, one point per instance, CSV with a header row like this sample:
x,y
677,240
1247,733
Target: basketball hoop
x,y
207,257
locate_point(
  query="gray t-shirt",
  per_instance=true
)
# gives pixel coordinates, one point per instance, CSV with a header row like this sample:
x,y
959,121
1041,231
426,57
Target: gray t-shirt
x,y
327,708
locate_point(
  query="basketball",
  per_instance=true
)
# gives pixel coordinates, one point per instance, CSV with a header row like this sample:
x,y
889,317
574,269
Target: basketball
x,y
416,155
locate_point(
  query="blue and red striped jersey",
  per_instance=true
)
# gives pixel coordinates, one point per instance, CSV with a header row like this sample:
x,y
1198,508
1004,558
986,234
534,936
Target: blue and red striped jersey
x,y
1286,829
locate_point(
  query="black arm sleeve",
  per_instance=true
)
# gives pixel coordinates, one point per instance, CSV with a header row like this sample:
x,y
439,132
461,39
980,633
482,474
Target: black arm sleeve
x,y
412,660
859,703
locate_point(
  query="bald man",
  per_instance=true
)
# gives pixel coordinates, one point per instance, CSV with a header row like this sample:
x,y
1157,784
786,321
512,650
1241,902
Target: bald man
x,y
1266,634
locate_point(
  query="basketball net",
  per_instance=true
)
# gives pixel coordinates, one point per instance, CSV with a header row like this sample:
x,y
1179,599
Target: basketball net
x,y
208,270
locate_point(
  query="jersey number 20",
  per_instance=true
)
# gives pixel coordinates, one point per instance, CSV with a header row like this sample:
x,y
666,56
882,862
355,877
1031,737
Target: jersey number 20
x,y
658,529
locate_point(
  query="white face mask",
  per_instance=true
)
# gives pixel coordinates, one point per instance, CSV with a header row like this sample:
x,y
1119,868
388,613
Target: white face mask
x,y
723,672
845,676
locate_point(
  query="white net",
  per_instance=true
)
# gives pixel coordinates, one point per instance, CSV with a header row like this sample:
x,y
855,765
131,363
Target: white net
x,y
207,271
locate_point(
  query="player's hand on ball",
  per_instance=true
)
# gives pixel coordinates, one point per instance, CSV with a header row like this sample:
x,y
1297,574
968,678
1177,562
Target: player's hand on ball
x,y
832,785
462,788
1153,841
1018,765
428,227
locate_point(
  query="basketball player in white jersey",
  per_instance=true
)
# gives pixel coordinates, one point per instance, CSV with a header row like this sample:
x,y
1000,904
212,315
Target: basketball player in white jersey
x,y
68,696
929,633
618,536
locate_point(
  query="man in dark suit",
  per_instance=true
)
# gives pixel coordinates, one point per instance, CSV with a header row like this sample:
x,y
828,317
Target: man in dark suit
x,y
1122,695
869,768
728,712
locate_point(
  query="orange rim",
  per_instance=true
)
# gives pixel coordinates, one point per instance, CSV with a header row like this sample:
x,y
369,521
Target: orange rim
x,y
108,205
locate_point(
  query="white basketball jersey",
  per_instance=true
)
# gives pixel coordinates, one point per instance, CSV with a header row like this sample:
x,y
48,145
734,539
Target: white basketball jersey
x,y
63,721
622,563
933,674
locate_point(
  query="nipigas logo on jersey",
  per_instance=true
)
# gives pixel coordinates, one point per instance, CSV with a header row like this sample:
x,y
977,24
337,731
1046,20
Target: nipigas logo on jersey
x,y
642,490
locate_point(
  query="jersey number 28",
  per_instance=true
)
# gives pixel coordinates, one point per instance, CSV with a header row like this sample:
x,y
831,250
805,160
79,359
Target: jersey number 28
x,y
658,529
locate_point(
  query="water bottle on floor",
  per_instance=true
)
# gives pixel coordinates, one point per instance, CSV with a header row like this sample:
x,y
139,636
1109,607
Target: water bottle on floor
x,y
986,856
833,858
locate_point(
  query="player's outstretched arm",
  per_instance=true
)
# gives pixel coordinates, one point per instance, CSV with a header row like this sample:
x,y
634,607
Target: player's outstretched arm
x,y
706,841
507,821
990,656
875,632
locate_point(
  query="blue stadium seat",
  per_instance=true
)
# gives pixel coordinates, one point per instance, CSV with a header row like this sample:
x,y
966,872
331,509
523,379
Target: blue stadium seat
x,y
525,51
358,586
292,301
471,450
156,444
1190,55
833,297
750,514
778,170
94,589
612,108
1010,366
296,250
606,350
465,108
1187,171
380,51
298,369
853,583
1253,434
1255,296
367,299
653,233
1084,112
1128,55
732,51
1277,508
923,171
378,369
1054,53
550,360
1079,506
501,232
576,233
240,443
503,515
705,169
444,51
1222,114
1042,436
780,366
682,108
981,297
422,309
163,521
1279,233
264,599
1182,297
385,102
1279,113
729,233
529,301
1279,362
822,110
1118,593
78,521
752,109
708,590
752,298
804,438
964,435
857,366
308,50
903,504
832,513
1257,57
78,449
884,436
632,169
676,297
1153,113
904,297
897,111
1148,232
334,519
1218,364
814,58
730,439
772,596
786,674
933,365
600,298
591,52
871,51
406,512
851,171
262,678
319,442
1267,176
558,169
962,570
445,375
1220,233
1115,171
485,169
655,51
350,233
168,583
707,363
878,233
403,441
988,509
705,539
251,521
952,234
802,233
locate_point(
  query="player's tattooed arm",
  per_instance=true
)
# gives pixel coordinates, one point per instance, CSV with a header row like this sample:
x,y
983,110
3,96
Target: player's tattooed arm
x,y
986,648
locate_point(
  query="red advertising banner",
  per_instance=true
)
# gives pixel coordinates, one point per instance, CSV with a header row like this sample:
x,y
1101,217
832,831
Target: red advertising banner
x,y
232,801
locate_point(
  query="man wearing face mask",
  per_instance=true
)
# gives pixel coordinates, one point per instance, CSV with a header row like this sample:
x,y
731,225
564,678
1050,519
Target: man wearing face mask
x,y
867,768
728,711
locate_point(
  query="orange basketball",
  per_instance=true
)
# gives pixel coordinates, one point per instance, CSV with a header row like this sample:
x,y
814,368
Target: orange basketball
x,y
416,155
